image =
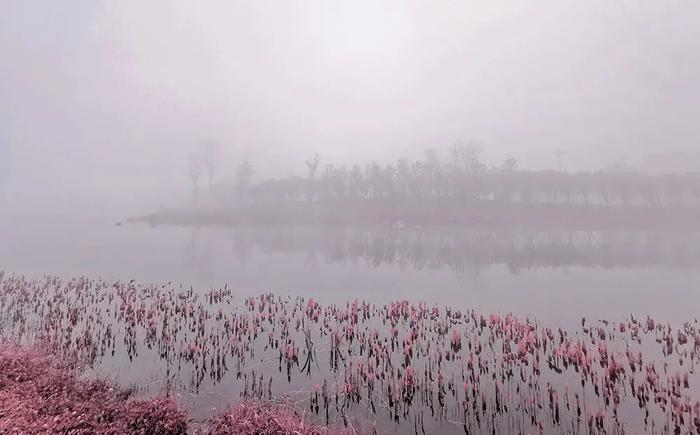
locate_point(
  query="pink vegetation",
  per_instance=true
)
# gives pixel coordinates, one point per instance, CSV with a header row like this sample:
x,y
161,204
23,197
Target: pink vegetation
x,y
40,394
250,416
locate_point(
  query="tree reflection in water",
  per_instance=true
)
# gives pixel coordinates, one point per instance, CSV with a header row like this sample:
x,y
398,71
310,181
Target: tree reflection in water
x,y
472,251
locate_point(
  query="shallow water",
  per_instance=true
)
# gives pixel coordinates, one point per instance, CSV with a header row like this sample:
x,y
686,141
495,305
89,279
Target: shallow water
x,y
399,366
554,277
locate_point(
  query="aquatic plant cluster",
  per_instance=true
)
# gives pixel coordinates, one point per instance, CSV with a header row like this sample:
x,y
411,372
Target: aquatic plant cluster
x,y
401,365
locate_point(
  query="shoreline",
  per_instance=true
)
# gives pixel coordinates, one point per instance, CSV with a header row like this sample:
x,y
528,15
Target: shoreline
x,y
431,215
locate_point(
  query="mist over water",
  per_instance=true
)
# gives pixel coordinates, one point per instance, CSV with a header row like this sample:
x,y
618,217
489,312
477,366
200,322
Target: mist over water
x,y
554,276
101,99
422,159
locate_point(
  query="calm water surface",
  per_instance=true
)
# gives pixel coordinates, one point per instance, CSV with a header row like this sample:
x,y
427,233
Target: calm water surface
x,y
554,276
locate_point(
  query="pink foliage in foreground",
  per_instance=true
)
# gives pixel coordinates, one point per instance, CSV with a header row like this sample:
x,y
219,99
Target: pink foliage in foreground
x,y
254,417
41,394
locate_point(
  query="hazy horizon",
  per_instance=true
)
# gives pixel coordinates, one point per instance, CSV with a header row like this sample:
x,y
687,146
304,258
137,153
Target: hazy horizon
x,y
349,217
118,93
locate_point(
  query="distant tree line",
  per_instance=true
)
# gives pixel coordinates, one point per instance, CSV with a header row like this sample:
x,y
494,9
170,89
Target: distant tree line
x,y
465,177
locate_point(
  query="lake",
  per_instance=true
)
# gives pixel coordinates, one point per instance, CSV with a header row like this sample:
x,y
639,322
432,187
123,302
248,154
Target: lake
x,y
556,276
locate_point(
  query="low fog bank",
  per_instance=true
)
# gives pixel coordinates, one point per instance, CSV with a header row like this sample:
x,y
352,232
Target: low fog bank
x,y
102,102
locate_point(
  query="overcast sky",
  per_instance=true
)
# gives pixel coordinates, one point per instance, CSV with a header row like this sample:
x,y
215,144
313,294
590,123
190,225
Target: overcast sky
x,y
109,97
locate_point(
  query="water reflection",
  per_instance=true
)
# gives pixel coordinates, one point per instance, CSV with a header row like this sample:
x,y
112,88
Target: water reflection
x,y
558,276
469,251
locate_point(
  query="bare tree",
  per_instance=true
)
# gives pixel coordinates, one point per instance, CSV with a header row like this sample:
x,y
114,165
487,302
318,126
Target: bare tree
x,y
455,154
510,165
244,175
471,156
194,162
209,156
312,166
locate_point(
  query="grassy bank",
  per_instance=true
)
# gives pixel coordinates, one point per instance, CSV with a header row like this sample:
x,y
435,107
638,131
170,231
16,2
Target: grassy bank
x,y
40,393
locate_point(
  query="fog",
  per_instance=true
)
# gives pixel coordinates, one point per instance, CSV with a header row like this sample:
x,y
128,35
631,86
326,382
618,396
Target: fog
x,y
101,102
371,216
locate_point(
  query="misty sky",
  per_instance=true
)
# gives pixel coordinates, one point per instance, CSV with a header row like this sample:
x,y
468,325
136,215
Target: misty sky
x,y
108,97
